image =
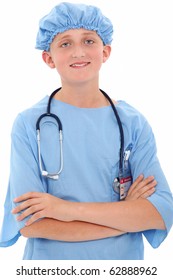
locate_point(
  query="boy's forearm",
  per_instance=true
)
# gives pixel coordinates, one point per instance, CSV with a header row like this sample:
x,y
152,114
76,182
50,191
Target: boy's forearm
x,y
127,216
68,231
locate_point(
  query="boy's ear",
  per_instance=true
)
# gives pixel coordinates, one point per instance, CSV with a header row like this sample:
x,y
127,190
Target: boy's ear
x,y
48,59
106,52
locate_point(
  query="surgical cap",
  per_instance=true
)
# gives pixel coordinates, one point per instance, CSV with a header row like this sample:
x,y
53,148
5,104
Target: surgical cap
x,y
67,16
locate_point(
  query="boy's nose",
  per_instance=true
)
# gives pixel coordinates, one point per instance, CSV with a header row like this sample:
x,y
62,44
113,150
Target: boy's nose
x,y
78,52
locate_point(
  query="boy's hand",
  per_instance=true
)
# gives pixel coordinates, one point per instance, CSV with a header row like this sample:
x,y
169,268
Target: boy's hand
x,y
40,205
141,188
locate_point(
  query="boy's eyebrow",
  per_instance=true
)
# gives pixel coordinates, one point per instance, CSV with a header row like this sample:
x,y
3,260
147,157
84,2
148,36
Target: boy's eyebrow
x,y
62,37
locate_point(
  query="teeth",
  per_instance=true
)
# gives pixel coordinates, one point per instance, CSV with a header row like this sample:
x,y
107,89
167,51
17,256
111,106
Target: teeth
x,y
78,64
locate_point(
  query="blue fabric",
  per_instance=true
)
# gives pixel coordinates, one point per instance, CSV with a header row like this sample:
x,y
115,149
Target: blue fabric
x,y
91,157
67,16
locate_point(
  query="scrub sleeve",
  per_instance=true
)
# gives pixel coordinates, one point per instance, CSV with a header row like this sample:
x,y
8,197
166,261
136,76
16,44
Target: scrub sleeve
x,y
24,168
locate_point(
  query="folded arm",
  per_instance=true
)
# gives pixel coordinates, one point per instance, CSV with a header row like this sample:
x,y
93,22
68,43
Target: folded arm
x,y
68,231
128,216
70,221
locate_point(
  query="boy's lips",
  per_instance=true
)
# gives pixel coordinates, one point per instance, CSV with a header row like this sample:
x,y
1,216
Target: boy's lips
x,y
79,64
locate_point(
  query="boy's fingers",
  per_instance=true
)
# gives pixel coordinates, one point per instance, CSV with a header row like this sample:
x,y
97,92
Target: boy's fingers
x,y
23,205
145,190
148,193
136,183
26,196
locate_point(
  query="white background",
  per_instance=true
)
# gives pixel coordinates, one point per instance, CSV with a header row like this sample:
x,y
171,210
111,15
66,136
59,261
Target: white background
x,y
139,71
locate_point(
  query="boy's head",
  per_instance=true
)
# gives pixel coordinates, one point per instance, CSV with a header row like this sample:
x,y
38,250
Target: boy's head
x,y
67,16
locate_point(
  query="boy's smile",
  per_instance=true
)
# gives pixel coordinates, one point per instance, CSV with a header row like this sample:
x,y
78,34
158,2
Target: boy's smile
x,y
79,65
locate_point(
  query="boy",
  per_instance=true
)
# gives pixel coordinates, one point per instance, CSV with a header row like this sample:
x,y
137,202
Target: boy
x,y
77,213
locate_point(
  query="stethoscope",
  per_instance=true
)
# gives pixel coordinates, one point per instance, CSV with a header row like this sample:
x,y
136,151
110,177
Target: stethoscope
x,y
55,176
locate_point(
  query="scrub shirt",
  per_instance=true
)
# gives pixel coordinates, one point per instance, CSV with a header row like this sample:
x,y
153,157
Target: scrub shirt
x,y
91,144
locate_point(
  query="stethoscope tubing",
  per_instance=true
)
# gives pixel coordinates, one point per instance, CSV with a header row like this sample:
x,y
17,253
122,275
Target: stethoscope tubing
x,y
49,114
120,129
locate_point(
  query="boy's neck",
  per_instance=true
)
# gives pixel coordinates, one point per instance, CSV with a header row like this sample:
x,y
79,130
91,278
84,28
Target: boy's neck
x,y
82,96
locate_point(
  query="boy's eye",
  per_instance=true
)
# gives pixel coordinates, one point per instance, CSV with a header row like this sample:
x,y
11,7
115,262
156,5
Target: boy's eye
x,y
65,45
89,42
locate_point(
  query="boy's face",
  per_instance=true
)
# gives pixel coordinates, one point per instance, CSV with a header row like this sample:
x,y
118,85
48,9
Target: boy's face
x,y
77,54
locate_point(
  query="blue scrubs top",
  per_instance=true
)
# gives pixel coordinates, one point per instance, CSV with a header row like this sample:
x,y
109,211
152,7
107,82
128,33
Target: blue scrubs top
x,y
91,144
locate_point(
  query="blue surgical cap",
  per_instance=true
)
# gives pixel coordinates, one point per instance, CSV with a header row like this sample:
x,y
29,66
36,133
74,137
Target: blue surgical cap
x,y
67,16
